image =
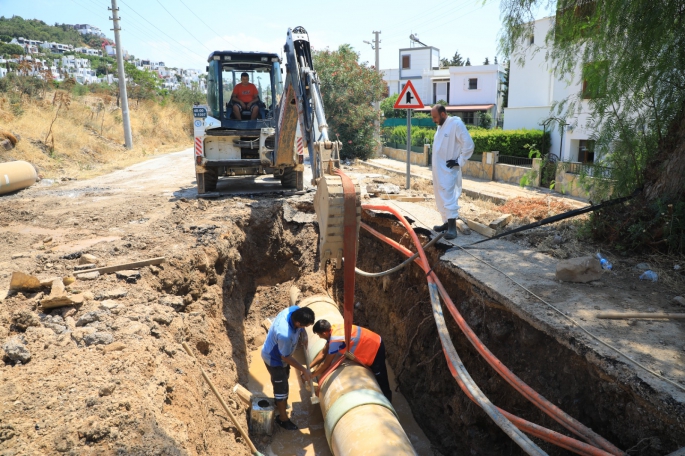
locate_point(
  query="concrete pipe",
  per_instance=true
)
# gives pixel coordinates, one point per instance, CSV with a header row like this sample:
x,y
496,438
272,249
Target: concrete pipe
x,y
358,419
16,175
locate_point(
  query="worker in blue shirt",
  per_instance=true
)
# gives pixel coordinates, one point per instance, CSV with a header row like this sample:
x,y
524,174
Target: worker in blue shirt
x,y
281,341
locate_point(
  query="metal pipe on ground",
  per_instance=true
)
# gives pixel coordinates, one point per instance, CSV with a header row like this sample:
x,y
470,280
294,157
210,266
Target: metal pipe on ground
x,y
358,419
16,175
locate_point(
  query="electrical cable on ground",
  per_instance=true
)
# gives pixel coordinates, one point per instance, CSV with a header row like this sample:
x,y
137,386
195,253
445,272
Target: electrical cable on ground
x,y
405,263
581,327
550,409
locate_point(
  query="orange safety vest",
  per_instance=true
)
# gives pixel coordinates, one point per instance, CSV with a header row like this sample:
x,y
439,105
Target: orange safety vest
x,y
364,342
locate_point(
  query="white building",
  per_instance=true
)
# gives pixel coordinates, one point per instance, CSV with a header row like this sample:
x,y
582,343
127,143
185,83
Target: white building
x,y
56,48
467,90
3,67
86,29
535,87
88,51
30,46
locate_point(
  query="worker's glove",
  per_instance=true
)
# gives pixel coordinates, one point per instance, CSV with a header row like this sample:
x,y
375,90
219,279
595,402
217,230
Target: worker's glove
x,y
452,163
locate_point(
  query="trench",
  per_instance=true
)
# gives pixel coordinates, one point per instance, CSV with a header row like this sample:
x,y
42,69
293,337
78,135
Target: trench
x,y
280,250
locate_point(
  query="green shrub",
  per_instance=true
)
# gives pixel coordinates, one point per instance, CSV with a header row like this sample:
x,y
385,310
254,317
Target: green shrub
x,y
509,142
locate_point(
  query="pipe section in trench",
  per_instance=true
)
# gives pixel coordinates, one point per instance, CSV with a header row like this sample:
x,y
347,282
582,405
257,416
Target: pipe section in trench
x,y
16,175
358,419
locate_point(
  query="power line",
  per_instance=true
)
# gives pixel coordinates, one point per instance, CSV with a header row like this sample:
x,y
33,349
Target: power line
x,y
179,23
161,31
200,19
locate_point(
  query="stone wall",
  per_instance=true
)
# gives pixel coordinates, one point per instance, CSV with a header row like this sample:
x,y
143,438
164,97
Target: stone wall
x,y
509,173
415,158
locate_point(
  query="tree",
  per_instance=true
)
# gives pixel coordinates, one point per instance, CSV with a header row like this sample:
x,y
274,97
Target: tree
x,y
505,85
495,60
388,110
639,119
349,88
468,62
456,59
486,61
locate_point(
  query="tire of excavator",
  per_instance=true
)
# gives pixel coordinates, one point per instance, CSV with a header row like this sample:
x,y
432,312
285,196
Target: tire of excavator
x,y
292,179
206,182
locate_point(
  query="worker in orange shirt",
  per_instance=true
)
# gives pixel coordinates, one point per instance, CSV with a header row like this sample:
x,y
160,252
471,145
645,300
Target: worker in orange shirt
x,y
245,97
366,346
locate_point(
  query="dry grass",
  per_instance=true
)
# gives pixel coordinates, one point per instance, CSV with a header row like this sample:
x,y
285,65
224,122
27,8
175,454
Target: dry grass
x,y
533,209
88,136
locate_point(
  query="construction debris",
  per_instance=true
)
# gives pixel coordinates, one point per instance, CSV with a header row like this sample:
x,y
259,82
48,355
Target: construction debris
x,y
463,227
24,282
59,298
580,270
500,222
124,266
480,228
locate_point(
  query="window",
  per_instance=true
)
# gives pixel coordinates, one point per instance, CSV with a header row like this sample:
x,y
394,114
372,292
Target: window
x,y
468,118
473,84
406,62
586,151
531,39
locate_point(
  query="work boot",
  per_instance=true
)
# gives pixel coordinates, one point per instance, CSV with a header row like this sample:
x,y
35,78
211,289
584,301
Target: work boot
x,y
451,229
440,228
287,424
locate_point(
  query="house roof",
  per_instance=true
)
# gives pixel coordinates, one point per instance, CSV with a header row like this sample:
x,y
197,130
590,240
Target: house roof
x,y
457,108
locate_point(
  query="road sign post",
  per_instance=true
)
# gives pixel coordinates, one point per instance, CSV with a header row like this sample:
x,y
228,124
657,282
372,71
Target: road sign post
x,y
408,149
408,100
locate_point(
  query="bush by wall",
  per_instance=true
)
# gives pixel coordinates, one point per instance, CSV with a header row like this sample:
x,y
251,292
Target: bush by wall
x,y
507,142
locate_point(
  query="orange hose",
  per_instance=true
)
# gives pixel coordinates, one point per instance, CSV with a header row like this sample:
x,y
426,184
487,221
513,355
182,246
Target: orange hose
x,y
541,402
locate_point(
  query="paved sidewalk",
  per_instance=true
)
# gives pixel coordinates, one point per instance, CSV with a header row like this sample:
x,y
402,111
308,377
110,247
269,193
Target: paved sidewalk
x,y
497,192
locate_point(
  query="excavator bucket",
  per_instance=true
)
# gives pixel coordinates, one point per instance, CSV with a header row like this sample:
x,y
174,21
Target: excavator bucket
x,y
329,207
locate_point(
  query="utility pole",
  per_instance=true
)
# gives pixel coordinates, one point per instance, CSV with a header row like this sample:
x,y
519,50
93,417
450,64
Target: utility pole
x,y
377,104
128,138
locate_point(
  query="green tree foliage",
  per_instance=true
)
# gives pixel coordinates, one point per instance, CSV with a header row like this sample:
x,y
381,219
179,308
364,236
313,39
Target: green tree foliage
x,y
140,84
630,55
388,110
186,97
349,88
485,120
486,61
8,50
33,29
505,85
468,62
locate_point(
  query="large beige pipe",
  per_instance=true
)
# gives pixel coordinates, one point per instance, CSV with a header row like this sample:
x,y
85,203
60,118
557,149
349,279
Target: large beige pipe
x,y
16,175
358,419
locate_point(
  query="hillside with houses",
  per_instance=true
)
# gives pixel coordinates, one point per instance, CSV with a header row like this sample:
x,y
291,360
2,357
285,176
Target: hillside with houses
x,y
80,52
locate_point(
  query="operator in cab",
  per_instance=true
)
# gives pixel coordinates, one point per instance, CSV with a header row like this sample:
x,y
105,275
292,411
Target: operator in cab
x,y
245,97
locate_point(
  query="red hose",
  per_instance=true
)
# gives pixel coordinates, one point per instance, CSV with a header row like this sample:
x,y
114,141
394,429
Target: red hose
x,y
550,409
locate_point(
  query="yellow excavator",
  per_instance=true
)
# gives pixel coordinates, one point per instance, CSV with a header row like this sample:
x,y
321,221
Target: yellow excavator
x,y
272,138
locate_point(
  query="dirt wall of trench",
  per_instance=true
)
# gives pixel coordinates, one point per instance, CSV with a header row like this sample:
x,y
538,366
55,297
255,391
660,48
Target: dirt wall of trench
x,y
398,307
229,265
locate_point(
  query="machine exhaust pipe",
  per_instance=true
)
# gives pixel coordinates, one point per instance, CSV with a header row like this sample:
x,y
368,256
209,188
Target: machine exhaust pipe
x,y
357,418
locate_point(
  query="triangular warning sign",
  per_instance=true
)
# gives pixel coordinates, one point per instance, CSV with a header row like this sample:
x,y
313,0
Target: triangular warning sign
x,y
409,98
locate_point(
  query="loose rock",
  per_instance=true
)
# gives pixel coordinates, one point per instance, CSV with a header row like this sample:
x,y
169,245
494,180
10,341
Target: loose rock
x,y
89,275
90,317
582,269
87,258
25,318
23,282
679,300
112,294
107,390
176,302
16,351
98,338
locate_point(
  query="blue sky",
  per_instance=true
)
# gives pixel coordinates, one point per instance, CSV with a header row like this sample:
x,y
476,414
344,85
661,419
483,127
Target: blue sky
x,y
183,32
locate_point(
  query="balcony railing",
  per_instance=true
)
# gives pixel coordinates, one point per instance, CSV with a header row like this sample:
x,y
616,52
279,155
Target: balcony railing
x,y
515,161
588,169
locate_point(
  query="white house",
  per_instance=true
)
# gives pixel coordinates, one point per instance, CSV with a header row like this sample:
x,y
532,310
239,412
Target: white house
x,y
88,51
467,90
56,48
30,46
3,67
86,29
533,90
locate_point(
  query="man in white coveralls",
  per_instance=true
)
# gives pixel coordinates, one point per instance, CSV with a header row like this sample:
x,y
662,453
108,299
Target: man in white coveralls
x,y
452,147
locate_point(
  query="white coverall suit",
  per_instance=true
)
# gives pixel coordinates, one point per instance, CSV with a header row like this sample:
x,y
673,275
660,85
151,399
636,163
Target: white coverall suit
x,y
452,142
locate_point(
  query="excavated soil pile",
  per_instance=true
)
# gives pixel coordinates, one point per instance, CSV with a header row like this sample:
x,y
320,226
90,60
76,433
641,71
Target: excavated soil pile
x,y
110,376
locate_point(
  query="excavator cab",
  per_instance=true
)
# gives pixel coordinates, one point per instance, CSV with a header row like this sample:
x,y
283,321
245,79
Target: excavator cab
x,y
223,75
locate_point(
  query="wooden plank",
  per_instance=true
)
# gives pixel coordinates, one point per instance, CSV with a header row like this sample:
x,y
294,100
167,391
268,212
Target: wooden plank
x,y
640,315
121,267
463,227
478,228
